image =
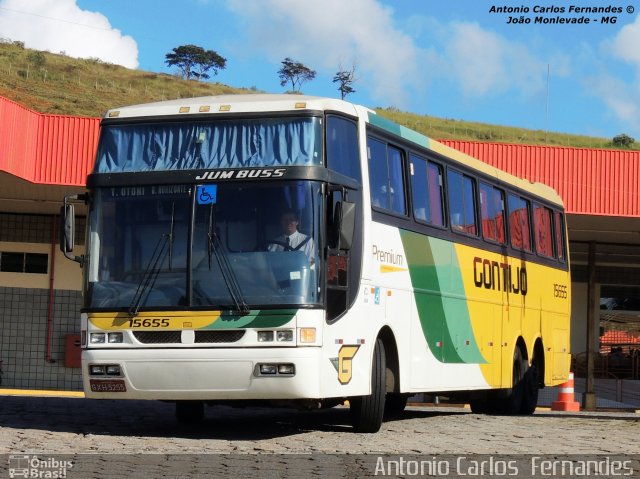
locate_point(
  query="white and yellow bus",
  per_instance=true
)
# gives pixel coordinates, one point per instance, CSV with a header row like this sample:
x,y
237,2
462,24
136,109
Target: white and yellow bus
x,y
416,268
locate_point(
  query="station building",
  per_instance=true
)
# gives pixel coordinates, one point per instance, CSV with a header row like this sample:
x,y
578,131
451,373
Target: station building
x,y
45,157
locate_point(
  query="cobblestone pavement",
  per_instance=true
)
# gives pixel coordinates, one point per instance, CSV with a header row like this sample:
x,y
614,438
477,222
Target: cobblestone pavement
x,y
31,425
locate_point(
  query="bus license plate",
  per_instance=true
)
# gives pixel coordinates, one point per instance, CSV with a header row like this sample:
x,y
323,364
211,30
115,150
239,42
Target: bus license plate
x,y
107,385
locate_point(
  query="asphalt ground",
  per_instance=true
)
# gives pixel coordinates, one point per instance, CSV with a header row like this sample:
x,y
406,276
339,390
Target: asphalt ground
x,y
142,438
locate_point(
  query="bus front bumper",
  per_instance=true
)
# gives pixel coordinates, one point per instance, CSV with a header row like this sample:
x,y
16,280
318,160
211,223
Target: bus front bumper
x,y
203,374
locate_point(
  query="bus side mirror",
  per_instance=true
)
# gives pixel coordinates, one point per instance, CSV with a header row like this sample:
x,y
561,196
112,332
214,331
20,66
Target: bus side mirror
x,y
67,228
344,221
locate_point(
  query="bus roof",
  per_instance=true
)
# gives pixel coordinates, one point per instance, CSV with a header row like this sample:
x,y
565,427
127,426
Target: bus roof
x,y
233,104
257,103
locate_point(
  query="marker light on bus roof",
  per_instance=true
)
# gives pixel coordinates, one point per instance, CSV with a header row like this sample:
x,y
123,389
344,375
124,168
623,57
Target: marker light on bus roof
x,y
301,104
184,109
113,114
224,108
204,109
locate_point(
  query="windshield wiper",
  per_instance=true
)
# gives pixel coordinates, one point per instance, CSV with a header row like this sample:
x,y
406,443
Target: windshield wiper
x,y
154,265
150,274
173,215
228,275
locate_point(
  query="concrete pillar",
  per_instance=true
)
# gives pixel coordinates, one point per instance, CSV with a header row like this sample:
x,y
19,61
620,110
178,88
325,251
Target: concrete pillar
x,y
590,397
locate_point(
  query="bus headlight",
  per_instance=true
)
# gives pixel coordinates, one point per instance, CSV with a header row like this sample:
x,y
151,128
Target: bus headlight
x,y
284,335
265,336
286,369
268,369
115,338
97,338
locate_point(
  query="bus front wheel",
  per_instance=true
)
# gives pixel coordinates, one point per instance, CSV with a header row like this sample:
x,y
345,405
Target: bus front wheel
x,y
367,411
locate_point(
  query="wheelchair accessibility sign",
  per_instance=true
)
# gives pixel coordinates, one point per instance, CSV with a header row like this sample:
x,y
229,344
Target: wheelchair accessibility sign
x,y
206,194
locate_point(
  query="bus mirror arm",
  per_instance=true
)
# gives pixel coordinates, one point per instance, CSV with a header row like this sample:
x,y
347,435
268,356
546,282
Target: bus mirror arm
x,y
67,228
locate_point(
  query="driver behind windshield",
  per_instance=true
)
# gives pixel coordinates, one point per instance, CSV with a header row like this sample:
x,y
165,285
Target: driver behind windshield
x,y
291,239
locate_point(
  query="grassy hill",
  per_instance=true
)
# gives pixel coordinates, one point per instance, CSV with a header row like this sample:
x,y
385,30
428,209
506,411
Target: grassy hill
x,y
55,83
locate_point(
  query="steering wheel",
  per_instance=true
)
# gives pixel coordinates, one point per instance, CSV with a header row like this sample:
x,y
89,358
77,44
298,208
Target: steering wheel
x,y
286,247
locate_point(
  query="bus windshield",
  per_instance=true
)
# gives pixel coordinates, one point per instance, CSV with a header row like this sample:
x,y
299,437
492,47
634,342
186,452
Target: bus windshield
x,y
226,246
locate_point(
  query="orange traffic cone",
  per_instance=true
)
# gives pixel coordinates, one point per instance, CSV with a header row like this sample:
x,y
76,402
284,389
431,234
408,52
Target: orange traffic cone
x,y
565,400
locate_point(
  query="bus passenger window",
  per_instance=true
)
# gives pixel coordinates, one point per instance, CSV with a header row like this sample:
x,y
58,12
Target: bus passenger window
x,y
462,202
426,182
542,228
492,213
386,179
419,188
519,222
559,232
436,193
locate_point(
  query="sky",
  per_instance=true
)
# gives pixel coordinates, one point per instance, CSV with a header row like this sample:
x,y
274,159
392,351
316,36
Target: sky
x,y
454,59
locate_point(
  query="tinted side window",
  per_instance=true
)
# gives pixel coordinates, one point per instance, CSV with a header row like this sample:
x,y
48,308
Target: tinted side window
x,y
342,147
519,222
426,182
436,193
559,232
542,220
386,177
492,213
462,202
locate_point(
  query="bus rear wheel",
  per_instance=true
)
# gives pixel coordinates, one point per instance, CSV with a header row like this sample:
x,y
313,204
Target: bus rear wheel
x,y
367,411
189,412
530,393
484,402
512,403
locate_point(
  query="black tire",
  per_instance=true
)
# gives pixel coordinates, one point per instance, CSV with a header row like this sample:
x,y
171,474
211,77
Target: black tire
x,y
530,392
189,412
482,403
395,404
367,411
512,402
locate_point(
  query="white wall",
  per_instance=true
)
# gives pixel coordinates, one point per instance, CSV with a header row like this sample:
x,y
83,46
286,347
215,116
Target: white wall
x,y
579,307
67,274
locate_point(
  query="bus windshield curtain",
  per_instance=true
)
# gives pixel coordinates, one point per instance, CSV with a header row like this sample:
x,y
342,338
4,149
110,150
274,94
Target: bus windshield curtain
x,y
224,144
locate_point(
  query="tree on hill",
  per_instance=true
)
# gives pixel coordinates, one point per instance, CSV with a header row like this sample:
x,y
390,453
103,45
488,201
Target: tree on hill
x,y
195,62
623,141
296,73
345,79
37,59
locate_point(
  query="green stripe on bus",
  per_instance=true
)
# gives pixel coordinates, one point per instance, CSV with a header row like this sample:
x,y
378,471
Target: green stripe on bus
x,y
399,130
440,299
268,318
